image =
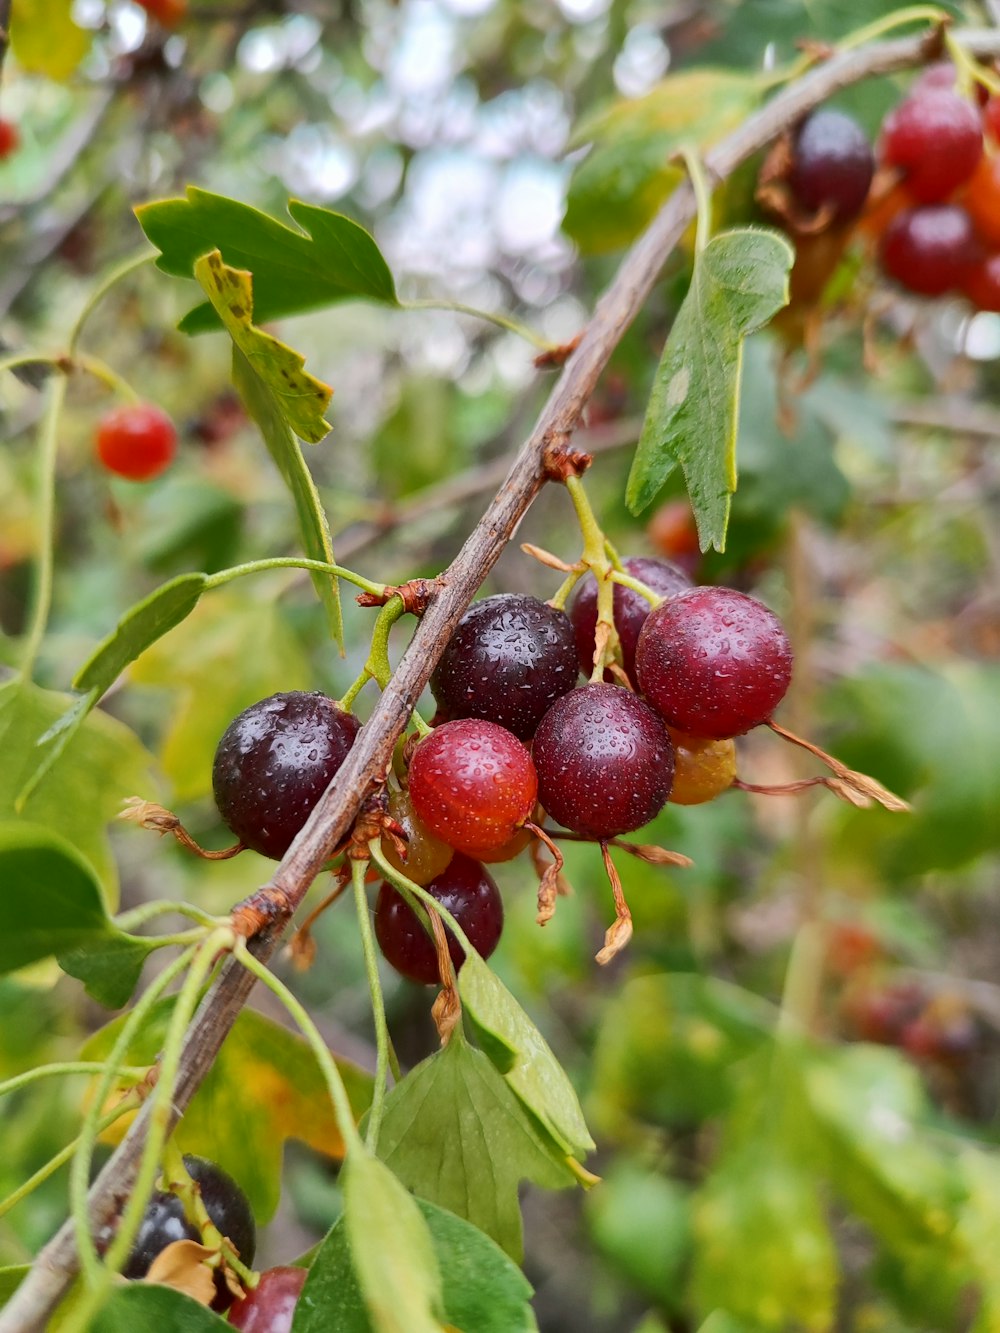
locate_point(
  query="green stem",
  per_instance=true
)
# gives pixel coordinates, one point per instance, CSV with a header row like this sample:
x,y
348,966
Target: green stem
x,y
419,725
558,602
501,321
425,899
100,370
900,18
378,663
178,1180
334,1082
969,72
113,276
382,1041
595,558
69,1067
702,195
29,359
48,441
225,576
140,916
643,589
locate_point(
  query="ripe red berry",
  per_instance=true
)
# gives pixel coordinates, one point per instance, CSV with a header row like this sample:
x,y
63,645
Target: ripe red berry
x,y
273,764
473,784
981,283
832,165
10,138
137,441
713,662
605,762
930,250
981,198
509,659
630,609
270,1306
937,139
991,118
464,889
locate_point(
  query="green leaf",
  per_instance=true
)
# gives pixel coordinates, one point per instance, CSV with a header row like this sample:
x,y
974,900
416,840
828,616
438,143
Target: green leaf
x,y
301,398
455,1134
266,410
392,1252
109,966
523,1056
102,763
619,186
739,281
481,1289
45,39
332,259
246,1135
147,1307
11,1278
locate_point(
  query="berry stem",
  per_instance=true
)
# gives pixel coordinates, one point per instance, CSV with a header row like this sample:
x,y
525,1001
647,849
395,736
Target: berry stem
x,y
426,902
30,359
100,370
501,321
968,70
137,1072
48,441
294,562
643,589
900,18
702,196
139,916
178,1180
110,279
558,602
382,1040
595,558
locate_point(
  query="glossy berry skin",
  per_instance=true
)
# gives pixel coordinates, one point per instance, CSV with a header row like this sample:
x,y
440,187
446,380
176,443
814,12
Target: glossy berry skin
x,y
164,1221
936,138
981,198
509,659
981,283
10,139
832,165
630,609
605,762
929,250
136,441
703,769
473,784
426,856
274,762
464,889
270,1307
713,662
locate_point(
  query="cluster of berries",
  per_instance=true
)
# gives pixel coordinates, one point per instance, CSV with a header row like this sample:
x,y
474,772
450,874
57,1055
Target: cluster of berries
x,y
516,735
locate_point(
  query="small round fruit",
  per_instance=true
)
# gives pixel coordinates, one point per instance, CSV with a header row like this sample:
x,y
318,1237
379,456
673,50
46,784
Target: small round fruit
x,y
881,1012
630,608
605,761
10,139
164,1220
270,1306
937,139
832,165
136,441
426,856
981,283
981,198
703,769
473,784
273,764
713,662
464,889
509,659
929,250
674,533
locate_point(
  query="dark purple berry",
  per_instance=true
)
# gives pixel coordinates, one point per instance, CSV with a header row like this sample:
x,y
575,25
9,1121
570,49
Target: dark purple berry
x,y
509,659
832,165
468,892
630,609
274,762
605,761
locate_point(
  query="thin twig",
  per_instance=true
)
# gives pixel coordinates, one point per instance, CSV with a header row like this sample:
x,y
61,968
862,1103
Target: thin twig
x,y
32,1304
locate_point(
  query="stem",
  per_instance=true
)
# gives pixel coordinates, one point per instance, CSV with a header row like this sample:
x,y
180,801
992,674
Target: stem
x,y
115,275
137,1072
48,441
501,321
558,602
139,916
378,665
29,359
335,1084
969,71
702,196
595,558
425,899
879,27
378,1005
225,576
93,365
643,589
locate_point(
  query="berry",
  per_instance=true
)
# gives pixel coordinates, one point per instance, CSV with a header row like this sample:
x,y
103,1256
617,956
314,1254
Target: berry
x,y
991,118
944,1033
473,784
981,283
426,856
713,662
674,533
937,139
270,1306
137,441
468,892
703,769
168,13
851,946
10,138
509,659
512,847
604,760
881,1013
832,165
982,199
164,1220
630,609
273,764
929,250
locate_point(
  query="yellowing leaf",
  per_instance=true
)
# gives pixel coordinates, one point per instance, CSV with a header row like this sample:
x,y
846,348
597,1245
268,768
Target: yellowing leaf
x,y
45,39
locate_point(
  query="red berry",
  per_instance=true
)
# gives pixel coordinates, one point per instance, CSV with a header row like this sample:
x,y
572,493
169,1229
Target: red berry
x,y
137,441
674,533
630,608
937,139
605,762
464,889
981,283
270,1306
981,198
881,1013
713,662
10,138
832,165
930,250
991,118
168,13
473,784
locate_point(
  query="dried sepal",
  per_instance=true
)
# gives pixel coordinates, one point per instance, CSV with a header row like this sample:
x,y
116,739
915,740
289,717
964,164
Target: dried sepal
x,y
182,1265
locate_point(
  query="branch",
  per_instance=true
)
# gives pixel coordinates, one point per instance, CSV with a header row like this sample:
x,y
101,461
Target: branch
x,y
366,763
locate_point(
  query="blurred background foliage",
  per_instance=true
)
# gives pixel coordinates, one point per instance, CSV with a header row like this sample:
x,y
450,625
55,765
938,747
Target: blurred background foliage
x,y
853,1184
